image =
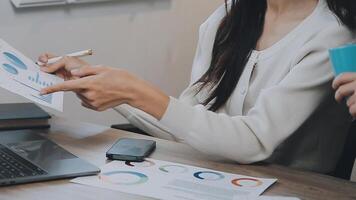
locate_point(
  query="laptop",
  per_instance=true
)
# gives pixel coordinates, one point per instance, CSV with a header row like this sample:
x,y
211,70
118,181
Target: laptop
x,y
26,157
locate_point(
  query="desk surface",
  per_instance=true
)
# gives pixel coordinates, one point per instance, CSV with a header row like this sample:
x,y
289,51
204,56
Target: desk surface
x,y
90,142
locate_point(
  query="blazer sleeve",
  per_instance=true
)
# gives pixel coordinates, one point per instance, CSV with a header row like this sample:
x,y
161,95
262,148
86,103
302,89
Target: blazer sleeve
x,y
145,122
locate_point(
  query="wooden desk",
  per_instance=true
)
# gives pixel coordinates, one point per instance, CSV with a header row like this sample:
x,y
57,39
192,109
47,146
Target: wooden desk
x,y
90,142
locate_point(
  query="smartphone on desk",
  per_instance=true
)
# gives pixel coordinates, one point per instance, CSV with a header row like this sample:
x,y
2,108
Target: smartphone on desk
x,y
128,149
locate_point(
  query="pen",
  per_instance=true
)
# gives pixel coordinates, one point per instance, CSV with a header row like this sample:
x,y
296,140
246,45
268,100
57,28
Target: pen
x,y
76,54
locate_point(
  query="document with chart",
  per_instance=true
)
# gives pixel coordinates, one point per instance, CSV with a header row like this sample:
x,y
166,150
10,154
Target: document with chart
x,y
20,75
173,181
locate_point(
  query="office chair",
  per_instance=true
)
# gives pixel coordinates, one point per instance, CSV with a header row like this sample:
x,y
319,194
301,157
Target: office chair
x,y
346,162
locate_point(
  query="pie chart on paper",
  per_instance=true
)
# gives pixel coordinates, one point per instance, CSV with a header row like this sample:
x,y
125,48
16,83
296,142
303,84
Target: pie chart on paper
x,y
246,182
123,177
209,175
9,68
13,59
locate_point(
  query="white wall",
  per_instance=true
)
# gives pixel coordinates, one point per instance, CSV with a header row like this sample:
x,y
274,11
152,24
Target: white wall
x,y
155,39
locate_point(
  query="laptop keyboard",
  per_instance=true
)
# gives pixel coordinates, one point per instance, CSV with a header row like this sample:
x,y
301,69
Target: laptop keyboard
x,y
14,166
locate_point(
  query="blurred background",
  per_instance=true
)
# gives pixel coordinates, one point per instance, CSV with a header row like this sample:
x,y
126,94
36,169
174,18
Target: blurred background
x,y
155,39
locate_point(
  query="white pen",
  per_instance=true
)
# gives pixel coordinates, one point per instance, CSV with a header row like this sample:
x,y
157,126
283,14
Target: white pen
x,y
76,54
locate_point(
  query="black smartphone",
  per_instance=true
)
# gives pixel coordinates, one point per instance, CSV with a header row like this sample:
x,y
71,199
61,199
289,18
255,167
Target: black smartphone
x,y
128,149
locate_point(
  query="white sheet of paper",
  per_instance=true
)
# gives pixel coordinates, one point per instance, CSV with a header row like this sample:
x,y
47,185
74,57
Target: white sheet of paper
x,y
168,180
20,75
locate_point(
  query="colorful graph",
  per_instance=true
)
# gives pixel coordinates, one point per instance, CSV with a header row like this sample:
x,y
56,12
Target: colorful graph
x,y
246,182
123,178
12,58
15,64
208,175
174,169
9,68
38,81
46,98
146,163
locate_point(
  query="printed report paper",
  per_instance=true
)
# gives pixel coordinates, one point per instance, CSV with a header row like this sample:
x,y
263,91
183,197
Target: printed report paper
x,y
168,180
20,75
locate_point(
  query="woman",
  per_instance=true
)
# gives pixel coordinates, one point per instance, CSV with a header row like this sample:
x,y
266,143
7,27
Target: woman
x,y
259,91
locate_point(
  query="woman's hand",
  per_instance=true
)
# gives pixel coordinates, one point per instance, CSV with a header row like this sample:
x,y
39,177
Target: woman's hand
x,y
63,67
101,88
345,86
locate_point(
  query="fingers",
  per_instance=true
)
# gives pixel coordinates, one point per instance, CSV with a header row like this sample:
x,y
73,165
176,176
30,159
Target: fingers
x,y
82,97
71,85
344,79
85,101
351,103
101,107
66,63
45,57
345,91
95,104
84,104
345,85
55,66
87,71
351,100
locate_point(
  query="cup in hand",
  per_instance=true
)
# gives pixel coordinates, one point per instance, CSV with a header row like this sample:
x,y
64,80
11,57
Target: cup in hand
x,y
343,59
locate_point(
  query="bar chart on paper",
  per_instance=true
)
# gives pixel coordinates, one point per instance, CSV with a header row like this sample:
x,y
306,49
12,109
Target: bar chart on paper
x,y
22,76
36,79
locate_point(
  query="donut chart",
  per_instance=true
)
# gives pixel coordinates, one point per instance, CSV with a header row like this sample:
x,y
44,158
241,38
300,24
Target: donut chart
x,y
208,175
246,182
174,180
15,60
123,178
9,68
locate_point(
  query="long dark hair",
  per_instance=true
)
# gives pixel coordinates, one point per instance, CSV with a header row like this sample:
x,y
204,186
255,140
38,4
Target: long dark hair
x,y
237,36
346,11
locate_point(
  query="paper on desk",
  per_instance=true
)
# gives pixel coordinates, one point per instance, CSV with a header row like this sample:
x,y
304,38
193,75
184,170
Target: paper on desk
x,y
20,75
167,180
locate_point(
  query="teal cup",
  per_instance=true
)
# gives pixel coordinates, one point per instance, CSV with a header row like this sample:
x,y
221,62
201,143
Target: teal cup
x,y
343,59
